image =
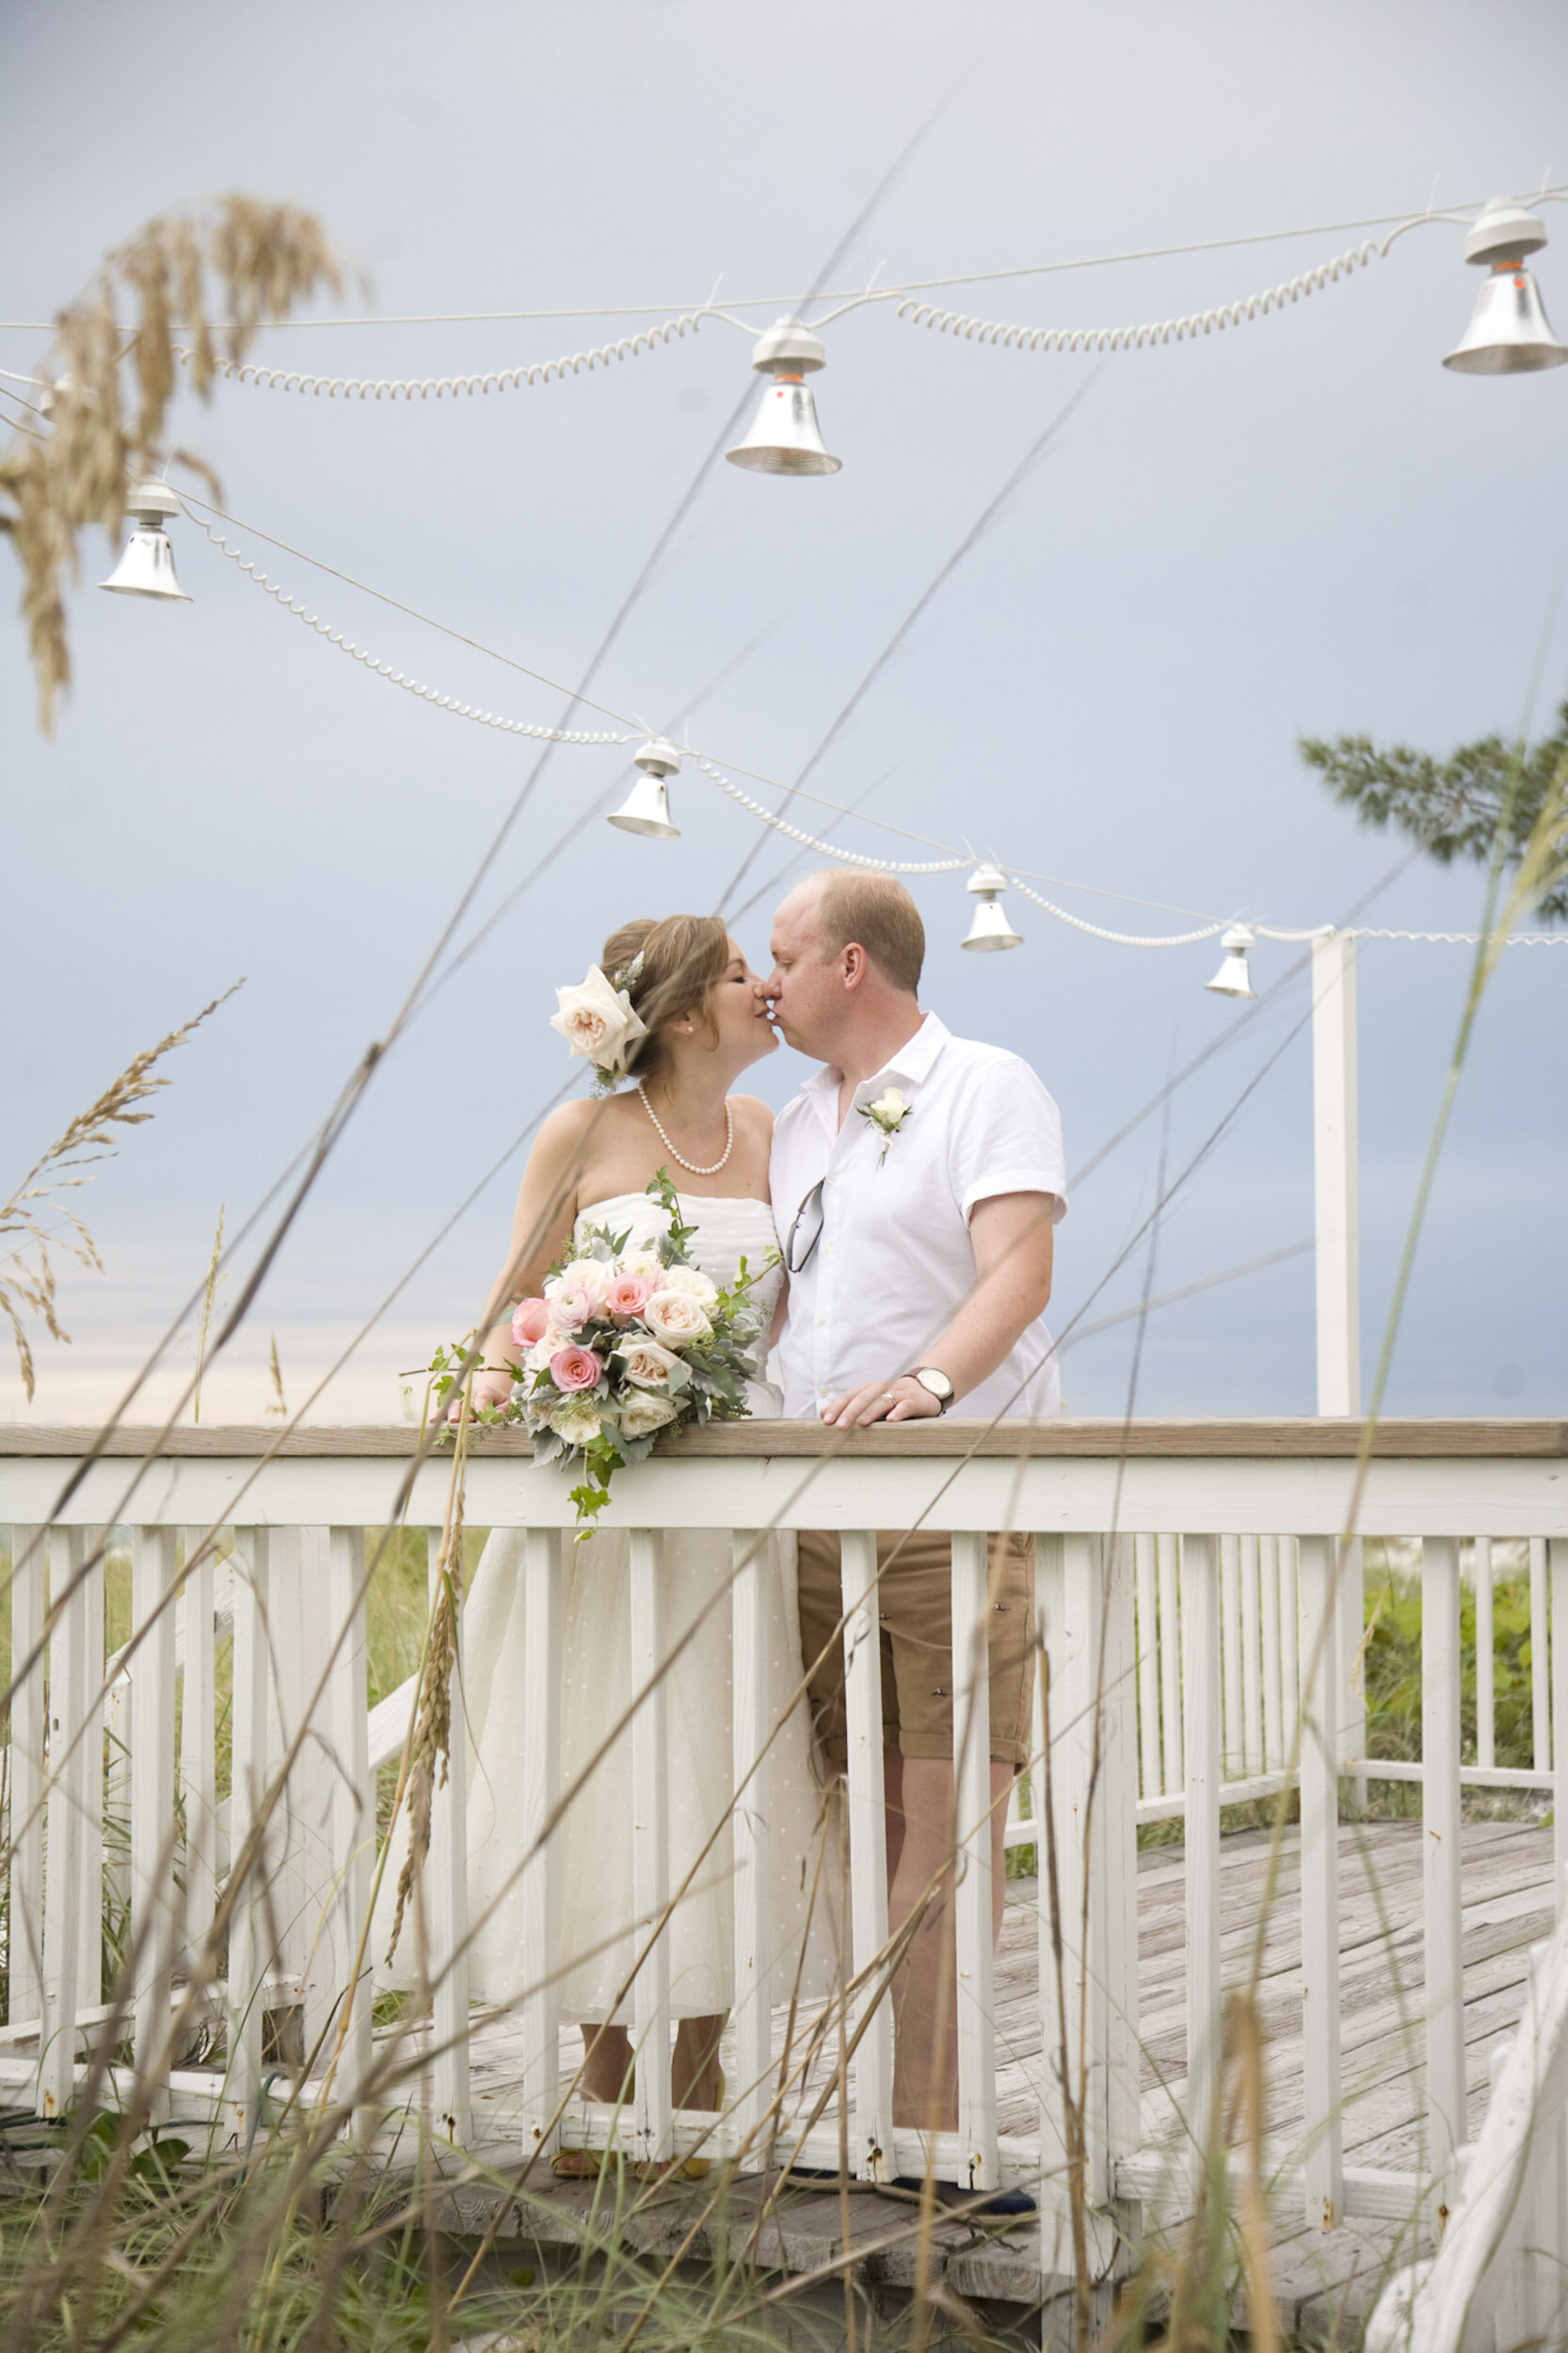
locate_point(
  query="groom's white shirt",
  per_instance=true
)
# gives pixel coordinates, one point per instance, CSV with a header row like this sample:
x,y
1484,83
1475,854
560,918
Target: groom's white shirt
x,y
895,1260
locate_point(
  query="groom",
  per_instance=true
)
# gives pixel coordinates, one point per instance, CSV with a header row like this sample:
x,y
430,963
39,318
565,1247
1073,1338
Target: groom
x,y
917,1179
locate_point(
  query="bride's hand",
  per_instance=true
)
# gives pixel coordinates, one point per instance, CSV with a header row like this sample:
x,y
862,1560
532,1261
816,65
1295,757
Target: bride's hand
x,y
490,1387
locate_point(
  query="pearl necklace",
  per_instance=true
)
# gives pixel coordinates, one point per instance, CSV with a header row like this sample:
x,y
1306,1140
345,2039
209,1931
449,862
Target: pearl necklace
x,y
692,1165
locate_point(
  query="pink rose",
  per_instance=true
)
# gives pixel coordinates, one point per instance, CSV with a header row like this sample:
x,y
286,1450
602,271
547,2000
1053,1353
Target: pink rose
x,y
530,1321
628,1295
574,1369
567,1307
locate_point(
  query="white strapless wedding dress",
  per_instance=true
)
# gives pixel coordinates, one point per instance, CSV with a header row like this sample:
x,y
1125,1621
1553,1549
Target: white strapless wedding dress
x,y
596,1905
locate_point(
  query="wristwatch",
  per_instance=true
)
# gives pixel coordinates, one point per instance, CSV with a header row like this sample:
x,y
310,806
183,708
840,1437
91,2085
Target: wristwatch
x,y
937,1382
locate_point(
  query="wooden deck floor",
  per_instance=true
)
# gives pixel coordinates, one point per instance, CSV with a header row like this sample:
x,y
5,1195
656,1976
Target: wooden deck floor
x,y
1507,1905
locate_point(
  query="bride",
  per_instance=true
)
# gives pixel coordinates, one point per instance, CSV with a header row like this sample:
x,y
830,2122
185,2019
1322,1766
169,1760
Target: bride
x,y
704,1023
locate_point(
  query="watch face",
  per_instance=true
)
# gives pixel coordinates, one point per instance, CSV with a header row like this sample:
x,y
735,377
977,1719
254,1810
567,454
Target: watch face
x,y
937,1383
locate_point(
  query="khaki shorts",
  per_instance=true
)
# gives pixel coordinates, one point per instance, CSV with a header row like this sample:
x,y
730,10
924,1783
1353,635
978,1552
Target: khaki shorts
x,y
915,1607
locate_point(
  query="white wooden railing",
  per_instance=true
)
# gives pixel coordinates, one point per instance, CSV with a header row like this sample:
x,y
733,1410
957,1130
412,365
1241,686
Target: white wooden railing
x,y
1186,1588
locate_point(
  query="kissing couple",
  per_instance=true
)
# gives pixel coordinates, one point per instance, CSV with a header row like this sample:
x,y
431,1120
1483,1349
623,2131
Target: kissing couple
x,y
904,1204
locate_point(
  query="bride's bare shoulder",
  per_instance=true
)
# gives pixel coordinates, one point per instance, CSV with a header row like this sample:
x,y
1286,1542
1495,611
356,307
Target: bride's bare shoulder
x,y
752,1114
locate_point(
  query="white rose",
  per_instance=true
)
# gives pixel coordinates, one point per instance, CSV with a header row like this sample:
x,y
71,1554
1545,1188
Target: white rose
x,y
675,1317
538,1358
576,1420
592,1277
643,1414
646,1363
597,1020
693,1282
889,1107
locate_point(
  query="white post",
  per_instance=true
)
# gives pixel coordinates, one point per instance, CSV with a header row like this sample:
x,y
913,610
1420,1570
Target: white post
x,y
871,2149
1323,2107
750,1828
155,1900
1541,1695
29,1579
1557,1560
1338,1265
352,1808
64,1878
447,1940
541,1791
1486,1669
250,1913
1200,1650
653,2114
198,1763
1440,1792
971,1768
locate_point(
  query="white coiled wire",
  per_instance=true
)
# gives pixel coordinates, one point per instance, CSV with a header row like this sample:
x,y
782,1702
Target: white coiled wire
x,y
811,841
410,388
1155,331
395,678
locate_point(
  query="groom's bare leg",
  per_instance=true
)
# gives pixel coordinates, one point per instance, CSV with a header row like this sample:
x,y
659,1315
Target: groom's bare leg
x,y
925,2050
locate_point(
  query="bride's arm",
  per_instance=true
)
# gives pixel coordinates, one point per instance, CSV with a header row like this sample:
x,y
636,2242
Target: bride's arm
x,y
541,1228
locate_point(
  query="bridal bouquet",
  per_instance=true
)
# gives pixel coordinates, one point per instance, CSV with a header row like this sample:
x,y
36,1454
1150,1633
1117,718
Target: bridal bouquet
x,y
622,1344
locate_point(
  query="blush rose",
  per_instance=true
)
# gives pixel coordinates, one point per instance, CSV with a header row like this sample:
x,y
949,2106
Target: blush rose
x,y
676,1317
572,1368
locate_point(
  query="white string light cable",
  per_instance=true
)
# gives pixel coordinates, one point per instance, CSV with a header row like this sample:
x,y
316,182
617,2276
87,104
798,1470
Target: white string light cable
x,y
826,849
396,677
953,861
503,380
1456,213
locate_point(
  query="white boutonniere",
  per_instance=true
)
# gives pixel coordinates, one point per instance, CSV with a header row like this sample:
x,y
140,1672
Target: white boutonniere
x,y
887,1116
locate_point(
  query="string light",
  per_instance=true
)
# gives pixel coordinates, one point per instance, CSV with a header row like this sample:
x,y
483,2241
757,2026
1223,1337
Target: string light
x,y
647,803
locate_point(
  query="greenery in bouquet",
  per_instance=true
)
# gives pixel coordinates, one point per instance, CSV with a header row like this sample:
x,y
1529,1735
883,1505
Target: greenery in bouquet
x,y
622,1344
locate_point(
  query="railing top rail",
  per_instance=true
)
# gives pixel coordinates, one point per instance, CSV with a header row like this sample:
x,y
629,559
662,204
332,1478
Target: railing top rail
x,y
1280,1438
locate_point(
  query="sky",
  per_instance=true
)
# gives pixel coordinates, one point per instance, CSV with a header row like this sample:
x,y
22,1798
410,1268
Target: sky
x,y
1301,525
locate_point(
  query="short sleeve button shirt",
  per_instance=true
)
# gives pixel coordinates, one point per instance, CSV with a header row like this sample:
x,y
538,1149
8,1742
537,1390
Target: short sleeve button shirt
x,y
895,1260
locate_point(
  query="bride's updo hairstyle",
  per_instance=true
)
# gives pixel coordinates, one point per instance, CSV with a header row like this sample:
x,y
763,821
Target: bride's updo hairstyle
x,y
683,958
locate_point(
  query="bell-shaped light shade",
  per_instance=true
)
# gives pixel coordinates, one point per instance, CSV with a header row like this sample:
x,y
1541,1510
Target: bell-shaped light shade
x,y
785,437
1508,333
647,809
147,566
1233,979
990,928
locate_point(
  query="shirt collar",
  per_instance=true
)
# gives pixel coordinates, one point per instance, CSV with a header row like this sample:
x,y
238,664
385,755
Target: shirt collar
x,y
915,1057
912,1060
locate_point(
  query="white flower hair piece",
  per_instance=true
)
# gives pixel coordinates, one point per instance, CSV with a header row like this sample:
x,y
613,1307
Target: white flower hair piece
x,y
597,1022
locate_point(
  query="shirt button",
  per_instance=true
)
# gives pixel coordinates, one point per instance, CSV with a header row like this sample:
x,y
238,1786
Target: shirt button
x,y
822,1318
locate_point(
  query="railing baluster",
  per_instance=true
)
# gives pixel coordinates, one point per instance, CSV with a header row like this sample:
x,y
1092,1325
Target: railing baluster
x,y
1486,1671
1275,1734
1200,1625
250,1911
89,1916
872,2148
1232,1761
1351,1704
1288,1638
1167,1549
447,1936
1557,1556
1091,1718
1440,1851
1322,2118
65,1815
971,1769
653,2115
154,1903
1541,1686
29,1583
1251,1664
752,2016
197,1762
1149,1669
1050,1709
541,1790
352,1817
